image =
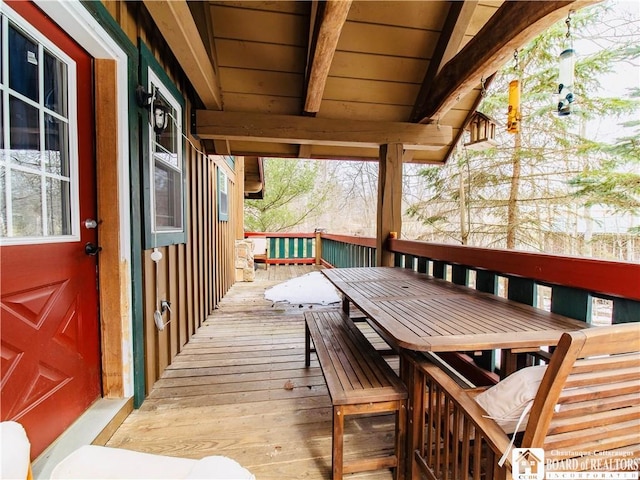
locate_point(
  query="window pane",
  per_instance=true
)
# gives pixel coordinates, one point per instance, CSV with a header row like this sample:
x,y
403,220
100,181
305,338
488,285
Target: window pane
x,y
23,64
25,127
166,157
56,140
58,207
26,198
168,197
55,84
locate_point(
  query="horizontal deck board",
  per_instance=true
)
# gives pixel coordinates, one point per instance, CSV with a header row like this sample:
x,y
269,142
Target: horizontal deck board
x,y
227,394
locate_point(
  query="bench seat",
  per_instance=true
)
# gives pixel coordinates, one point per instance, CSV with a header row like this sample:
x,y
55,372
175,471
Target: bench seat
x,y
359,381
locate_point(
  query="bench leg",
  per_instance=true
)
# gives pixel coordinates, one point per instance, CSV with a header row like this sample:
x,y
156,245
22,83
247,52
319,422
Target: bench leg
x,y
337,442
307,346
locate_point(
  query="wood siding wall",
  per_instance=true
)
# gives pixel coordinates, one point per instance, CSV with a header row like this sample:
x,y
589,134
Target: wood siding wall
x,y
194,276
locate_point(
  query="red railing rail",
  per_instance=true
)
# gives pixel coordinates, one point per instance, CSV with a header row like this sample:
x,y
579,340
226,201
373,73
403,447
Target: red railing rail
x,y
603,277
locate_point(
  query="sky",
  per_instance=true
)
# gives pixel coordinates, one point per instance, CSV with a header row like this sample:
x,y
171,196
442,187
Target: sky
x,y
617,83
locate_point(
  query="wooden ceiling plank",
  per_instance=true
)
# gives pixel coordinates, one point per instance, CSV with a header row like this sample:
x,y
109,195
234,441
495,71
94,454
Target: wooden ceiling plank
x,y
513,25
334,16
222,147
300,130
451,37
179,29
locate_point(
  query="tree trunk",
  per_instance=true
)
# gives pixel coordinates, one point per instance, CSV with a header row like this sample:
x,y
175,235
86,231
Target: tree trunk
x,y
464,230
512,206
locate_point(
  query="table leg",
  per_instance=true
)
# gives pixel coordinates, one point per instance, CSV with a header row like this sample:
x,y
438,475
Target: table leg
x,y
345,304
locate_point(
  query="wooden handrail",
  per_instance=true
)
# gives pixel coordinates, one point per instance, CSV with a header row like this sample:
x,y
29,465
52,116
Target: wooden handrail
x,y
605,277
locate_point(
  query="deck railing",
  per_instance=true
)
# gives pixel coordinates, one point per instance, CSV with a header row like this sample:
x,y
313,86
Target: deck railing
x,y
288,248
570,286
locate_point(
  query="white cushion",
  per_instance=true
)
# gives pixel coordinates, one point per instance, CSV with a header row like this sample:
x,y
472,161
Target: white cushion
x,y
506,401
15,450
219,468
92,461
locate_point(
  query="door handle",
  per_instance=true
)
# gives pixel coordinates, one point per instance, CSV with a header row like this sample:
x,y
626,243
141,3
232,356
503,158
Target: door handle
x,y
91,249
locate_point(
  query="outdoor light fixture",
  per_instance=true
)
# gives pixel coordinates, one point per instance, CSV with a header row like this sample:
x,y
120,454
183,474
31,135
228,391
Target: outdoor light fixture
x,y
566,61
158,109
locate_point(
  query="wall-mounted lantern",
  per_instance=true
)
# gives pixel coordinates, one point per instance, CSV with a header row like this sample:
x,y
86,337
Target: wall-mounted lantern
x,y
158,109
482,132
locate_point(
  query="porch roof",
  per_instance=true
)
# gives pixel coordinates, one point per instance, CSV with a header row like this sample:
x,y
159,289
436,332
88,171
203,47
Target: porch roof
x,y
337,79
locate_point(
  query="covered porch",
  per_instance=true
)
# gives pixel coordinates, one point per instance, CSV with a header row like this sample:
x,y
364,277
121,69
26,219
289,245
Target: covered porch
x,y
240,389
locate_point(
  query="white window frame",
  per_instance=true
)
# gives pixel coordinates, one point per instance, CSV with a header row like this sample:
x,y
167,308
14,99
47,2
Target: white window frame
x,y
9,15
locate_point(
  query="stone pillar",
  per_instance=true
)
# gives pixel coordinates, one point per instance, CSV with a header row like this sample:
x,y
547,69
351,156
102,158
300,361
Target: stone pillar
x,y
244,261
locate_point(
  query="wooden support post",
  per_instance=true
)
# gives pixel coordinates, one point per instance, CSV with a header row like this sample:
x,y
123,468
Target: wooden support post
x,y
318,247
113,276
389,212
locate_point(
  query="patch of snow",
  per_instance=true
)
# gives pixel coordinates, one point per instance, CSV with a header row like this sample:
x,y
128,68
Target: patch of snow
x,y
312,288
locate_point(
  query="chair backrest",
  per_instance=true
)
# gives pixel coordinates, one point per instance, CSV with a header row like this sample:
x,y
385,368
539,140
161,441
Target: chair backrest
x,y
259,245
589,398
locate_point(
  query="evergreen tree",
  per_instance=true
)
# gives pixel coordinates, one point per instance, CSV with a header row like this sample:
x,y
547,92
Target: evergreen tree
x,y
518,195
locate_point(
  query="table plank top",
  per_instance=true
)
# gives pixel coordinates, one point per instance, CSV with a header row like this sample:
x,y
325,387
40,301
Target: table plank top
x,y
418,312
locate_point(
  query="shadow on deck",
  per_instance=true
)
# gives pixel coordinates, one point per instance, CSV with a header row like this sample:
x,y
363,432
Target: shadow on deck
x,y
240,388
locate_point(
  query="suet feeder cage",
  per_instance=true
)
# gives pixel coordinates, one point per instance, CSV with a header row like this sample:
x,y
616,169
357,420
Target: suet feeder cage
x,y
482,132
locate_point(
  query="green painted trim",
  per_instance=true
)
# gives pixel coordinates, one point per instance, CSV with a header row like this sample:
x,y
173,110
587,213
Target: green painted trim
x,y
571,302
439,269
625,311
106,21
423,265
486,281
460,275
522,290
158,239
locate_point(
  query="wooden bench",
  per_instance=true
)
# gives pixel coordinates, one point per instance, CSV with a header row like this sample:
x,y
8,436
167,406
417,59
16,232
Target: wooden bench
x,y
585,414
359,382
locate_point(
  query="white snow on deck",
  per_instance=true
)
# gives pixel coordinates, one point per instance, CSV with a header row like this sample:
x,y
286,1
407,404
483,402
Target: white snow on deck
x,y
312,288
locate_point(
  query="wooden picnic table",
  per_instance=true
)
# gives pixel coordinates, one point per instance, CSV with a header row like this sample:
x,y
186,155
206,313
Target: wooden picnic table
x,y
415,312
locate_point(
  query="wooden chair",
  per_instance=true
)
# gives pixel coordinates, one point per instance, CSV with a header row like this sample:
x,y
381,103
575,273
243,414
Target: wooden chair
x,y
585,414
261,250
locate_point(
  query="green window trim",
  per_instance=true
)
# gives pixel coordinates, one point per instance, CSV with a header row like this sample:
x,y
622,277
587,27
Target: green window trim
x,y
155,236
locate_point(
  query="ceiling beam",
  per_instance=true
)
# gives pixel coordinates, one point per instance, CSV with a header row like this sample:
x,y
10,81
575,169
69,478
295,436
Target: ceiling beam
x,y
302,130
449,41
174,20
324,43
512,26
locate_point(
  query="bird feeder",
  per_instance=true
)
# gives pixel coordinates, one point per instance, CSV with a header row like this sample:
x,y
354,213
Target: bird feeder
x,y
513,114
482,132
566,77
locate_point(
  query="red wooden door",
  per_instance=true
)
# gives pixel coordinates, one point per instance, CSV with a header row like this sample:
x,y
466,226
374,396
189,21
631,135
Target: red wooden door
x,y
50,348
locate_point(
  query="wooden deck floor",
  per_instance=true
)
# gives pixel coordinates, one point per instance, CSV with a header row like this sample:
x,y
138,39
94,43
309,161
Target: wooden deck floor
x,y
240,389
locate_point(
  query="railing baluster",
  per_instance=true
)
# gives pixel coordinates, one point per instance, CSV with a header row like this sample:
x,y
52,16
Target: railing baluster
x,y
571,302
625,311
522,290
